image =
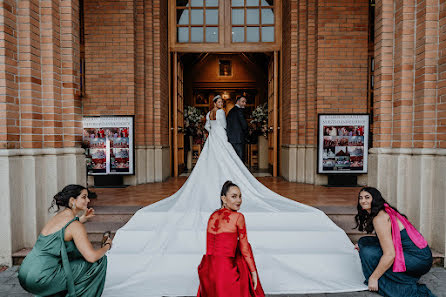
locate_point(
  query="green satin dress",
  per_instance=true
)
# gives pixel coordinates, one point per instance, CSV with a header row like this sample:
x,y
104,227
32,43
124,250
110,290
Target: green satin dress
x,y
55,267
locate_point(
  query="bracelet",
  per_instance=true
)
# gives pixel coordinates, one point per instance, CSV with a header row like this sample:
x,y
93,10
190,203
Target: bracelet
x,y
108,244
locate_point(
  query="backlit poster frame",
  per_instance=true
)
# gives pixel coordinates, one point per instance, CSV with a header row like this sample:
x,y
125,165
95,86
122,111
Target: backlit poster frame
x,y
109,144
343,141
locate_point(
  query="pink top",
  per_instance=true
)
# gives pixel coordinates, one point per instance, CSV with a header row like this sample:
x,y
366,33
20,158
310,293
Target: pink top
x,y
399,265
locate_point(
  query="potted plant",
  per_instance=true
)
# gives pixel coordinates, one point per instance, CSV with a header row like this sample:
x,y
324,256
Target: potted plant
x,y
259,122
193,128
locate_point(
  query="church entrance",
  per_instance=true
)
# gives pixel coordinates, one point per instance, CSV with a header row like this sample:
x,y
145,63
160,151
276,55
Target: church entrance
x,y
197,78
231,49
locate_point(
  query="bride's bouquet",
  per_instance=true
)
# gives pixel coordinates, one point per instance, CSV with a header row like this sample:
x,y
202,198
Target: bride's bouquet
x,y
259,120
192,120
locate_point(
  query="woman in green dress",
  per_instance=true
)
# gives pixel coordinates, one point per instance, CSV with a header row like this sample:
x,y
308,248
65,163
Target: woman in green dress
x,y
63,262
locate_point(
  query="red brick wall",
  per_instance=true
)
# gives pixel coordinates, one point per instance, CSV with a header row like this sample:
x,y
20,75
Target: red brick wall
x,y
39,74
289,72
403,73
126,59
161,74
109,57
324,64
70,56
342,57
441,99
409,49
9,97
324,69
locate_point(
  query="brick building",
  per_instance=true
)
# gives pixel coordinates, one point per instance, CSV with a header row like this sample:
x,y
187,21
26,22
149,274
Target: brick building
x,y
66,59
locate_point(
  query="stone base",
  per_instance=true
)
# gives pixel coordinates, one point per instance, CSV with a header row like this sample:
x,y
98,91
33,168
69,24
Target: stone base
x,y
152,164
29,178
298,163
413,180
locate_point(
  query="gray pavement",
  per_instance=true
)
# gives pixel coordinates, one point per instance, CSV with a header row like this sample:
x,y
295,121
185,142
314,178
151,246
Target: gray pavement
x,y
435,280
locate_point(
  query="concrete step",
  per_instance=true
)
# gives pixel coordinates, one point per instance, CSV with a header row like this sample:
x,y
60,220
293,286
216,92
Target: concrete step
x,y
111,218
343,216
95,230
114,213
17,257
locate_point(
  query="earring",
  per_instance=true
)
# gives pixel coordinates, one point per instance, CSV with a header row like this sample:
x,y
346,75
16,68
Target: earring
x,y
72,205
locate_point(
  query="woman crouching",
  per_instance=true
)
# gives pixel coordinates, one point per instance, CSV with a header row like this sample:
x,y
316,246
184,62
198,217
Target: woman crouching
x,y
394,261
63,262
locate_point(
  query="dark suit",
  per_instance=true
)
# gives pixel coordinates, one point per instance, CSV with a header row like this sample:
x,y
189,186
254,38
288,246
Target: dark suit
x,y
237,129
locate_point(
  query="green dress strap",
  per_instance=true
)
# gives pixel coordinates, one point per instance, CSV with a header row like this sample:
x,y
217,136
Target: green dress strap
x,y
66,262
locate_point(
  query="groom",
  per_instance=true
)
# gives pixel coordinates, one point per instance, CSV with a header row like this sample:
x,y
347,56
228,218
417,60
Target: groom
x,y
237,127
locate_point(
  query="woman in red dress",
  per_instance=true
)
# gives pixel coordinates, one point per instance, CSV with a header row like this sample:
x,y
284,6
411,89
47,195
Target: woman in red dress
x,y
228,268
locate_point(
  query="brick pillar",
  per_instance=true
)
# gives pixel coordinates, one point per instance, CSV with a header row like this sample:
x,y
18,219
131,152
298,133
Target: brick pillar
x,y
324,54
384,43
148,78
441,98
312,55
407,163
51,73
426,74
35,162
403,73
302,77
140,137
29,66
70,59
10,131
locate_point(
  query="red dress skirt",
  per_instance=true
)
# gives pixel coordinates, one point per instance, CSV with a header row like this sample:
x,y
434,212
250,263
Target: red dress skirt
x,y
223,275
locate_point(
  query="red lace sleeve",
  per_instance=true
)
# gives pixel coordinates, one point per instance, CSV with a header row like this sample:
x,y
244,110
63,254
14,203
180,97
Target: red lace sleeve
x,y
245,248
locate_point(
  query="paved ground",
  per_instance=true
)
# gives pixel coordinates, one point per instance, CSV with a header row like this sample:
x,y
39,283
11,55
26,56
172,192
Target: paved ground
x,y
435,280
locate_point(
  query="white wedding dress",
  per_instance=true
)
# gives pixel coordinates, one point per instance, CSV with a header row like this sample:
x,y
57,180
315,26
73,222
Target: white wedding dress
x,y
297,248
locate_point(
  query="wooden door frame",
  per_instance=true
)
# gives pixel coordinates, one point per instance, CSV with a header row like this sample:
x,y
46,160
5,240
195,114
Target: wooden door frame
x,y
275,120
175,113
173,107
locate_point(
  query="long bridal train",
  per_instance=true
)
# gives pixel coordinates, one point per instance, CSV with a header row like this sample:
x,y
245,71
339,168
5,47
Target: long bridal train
x,y
297,248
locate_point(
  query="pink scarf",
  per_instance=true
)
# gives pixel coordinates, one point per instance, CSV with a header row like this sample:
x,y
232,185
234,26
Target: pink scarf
x,y
399,265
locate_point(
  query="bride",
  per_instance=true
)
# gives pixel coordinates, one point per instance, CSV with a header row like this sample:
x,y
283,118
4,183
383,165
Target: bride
x,y
298,249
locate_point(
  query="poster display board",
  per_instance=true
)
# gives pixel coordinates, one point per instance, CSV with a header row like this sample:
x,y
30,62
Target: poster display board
x,y
109,145
343,141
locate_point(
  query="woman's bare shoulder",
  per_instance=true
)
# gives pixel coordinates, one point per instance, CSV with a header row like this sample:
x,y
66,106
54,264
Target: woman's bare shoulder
x,y
381,218
57,222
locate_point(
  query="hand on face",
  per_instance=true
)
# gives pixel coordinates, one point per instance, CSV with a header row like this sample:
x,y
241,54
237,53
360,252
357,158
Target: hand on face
x,y
88,214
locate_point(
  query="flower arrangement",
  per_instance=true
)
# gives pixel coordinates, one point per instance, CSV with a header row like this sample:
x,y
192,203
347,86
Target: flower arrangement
x,y
259,120
192,120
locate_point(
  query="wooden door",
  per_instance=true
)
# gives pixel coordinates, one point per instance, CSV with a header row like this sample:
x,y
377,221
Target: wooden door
x,y
178,116
272,113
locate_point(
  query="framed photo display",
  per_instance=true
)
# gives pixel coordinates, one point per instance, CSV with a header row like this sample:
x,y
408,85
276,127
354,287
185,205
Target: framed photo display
x,y
343,141
109,145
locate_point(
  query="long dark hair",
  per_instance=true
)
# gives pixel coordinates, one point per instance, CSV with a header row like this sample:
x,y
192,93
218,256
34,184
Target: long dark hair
x,y
226,186
363,219
63,197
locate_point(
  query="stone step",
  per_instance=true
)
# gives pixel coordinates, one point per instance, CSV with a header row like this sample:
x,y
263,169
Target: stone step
x,y
114,213
95,230
111,218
